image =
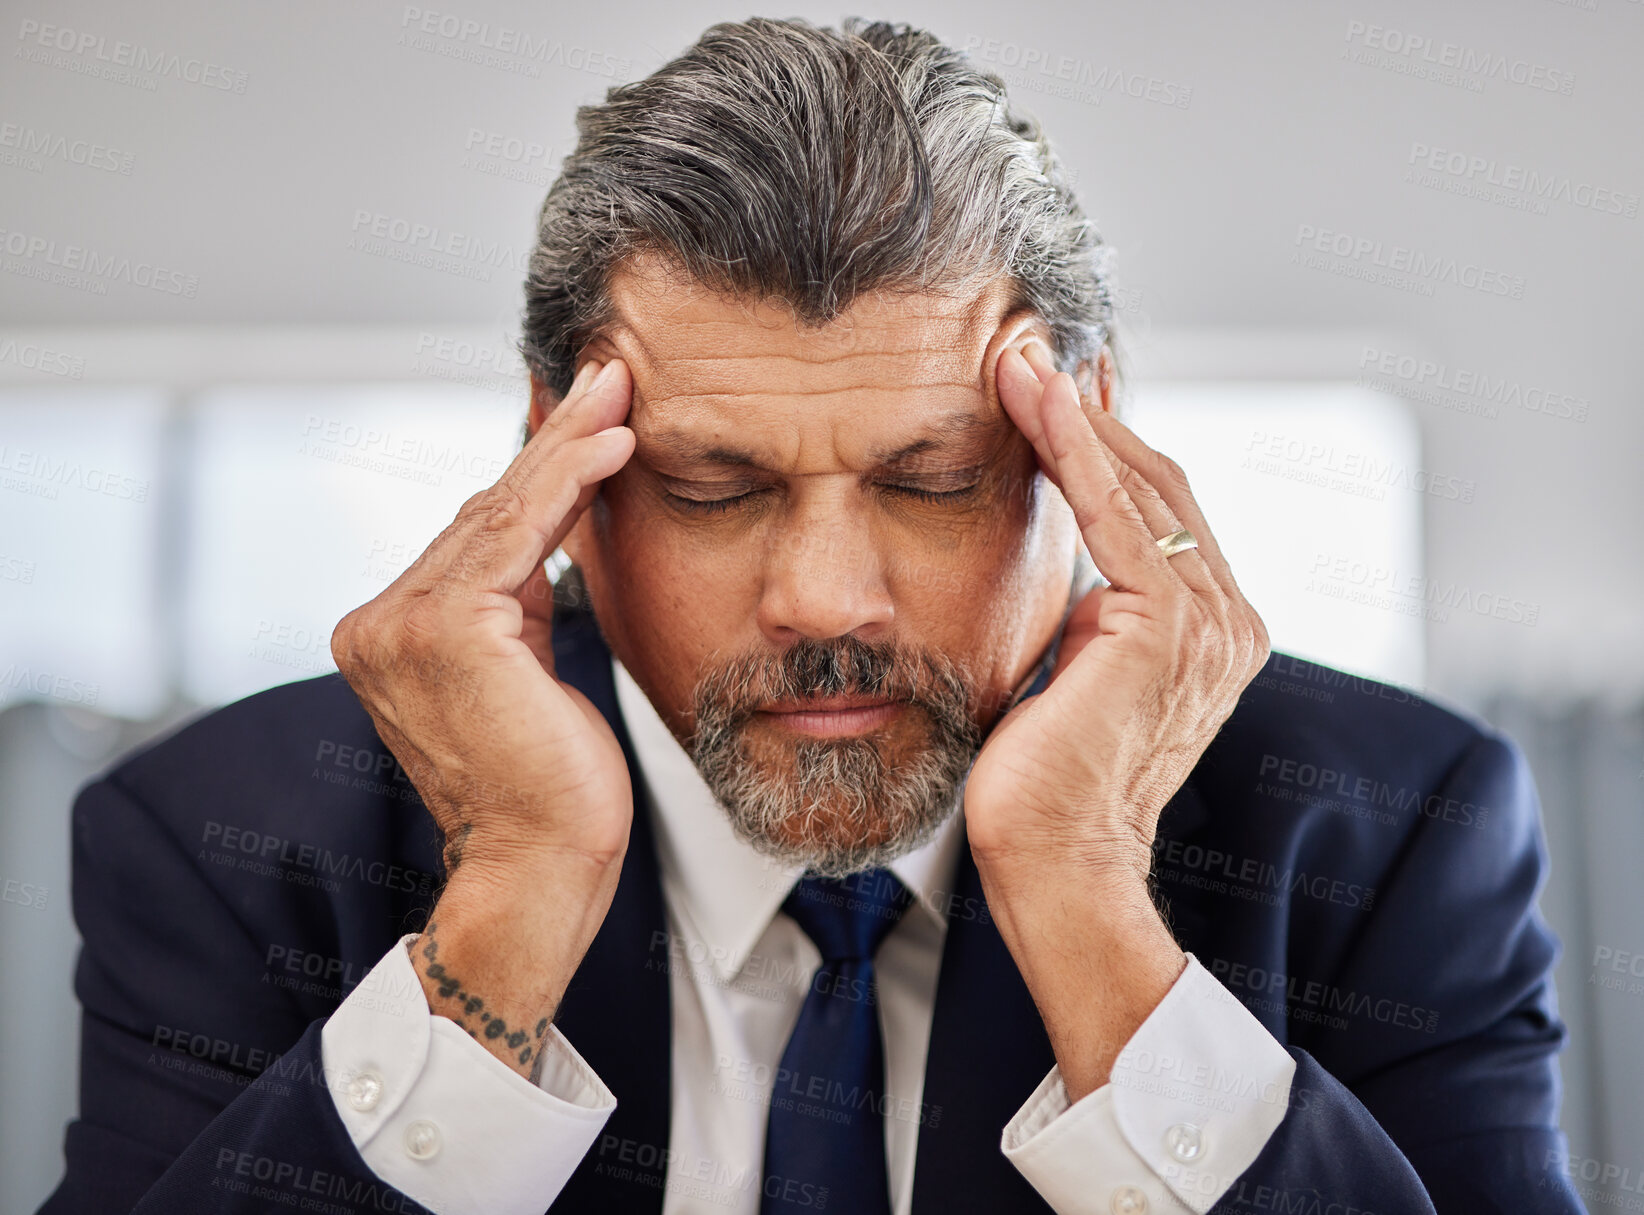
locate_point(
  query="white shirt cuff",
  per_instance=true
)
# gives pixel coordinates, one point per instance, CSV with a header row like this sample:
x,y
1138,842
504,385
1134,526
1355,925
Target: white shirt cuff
x,y
1193,1098
442,1119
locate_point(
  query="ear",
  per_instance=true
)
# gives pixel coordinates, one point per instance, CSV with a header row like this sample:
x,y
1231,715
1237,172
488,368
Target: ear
x,y
543,401
1103,388
1015,330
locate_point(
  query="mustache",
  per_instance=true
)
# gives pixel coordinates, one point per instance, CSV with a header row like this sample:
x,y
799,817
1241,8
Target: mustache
x,y
835,666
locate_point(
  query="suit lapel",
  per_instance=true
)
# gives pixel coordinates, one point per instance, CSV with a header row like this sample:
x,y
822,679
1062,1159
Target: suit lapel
x,y
988,1048
616,1011
989,1051
1181,908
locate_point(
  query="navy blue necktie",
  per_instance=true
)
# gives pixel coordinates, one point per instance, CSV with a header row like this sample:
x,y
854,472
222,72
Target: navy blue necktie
x,y
827,1124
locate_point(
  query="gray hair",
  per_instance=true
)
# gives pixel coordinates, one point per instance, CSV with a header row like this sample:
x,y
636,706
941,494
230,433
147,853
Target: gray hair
x,y
777,161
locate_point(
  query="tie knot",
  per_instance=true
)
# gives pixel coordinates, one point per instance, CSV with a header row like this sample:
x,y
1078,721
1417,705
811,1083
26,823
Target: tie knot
x,y
848,917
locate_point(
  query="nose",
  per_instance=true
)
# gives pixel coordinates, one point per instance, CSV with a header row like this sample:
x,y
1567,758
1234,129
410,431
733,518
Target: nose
x,y
824,574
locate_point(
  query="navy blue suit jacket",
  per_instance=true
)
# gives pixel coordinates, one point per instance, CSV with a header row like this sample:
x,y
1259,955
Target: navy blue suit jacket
x,y
1358,865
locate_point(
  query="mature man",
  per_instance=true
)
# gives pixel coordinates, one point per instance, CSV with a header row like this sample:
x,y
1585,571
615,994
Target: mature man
x,y
797,843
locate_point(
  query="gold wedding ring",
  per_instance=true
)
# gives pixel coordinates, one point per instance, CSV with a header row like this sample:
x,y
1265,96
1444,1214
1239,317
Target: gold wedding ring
x,y
1177,542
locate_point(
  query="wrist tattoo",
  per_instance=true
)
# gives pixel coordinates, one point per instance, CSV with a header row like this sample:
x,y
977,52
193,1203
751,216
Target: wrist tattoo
x,y
453,848
468,1010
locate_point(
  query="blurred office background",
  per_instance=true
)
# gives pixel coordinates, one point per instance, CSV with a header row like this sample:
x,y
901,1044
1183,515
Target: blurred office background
x,y
1378,272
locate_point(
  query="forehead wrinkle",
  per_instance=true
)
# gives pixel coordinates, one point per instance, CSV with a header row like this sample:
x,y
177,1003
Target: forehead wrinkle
x,y
647,287
689,373
934,436
665,392
668,337
938,332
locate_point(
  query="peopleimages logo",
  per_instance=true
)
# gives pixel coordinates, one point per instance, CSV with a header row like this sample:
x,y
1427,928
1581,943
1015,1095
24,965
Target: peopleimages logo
x,y
1039,70
23,678
95,55
1323,779
1550,187
495,368
1414,265
1386,586
42,359
301,862
1309,995
432,239
1363,473
1262,881
97,267
512,157
501,46
28,142
1464,389
1448,62
408,456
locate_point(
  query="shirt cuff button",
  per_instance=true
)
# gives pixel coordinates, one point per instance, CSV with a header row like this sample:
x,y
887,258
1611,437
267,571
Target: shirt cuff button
x,y
364,1091
1128,1200
1183,1142
422,1140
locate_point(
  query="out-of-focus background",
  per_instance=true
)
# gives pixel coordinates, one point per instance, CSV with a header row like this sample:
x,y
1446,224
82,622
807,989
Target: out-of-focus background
x,y
1378,268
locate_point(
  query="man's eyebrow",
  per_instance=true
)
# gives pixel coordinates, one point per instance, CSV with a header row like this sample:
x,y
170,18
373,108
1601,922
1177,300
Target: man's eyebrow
x,y
687,447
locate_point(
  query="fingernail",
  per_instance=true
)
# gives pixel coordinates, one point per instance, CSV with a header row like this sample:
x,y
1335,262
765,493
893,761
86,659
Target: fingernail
x,y
604,375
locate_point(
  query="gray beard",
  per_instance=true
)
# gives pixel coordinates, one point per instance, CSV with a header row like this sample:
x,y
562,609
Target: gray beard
x,y
839,793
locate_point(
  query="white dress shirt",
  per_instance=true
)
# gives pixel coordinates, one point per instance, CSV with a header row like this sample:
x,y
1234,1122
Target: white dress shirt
x,y
1193,1098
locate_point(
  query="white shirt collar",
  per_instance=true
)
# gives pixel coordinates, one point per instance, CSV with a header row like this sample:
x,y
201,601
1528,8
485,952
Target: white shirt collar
x,y
724,891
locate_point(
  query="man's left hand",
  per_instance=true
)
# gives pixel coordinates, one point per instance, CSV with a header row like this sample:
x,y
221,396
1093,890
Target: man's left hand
x,y
1062,804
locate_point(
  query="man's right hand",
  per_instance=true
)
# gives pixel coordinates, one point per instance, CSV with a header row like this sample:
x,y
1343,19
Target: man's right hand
x,y
454,661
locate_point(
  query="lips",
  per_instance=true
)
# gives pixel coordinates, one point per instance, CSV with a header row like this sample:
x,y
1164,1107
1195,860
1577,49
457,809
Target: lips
x,y
834,716
827,704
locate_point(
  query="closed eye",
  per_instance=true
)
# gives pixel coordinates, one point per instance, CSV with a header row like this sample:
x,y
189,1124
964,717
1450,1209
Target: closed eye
x,y
930,495
711,506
